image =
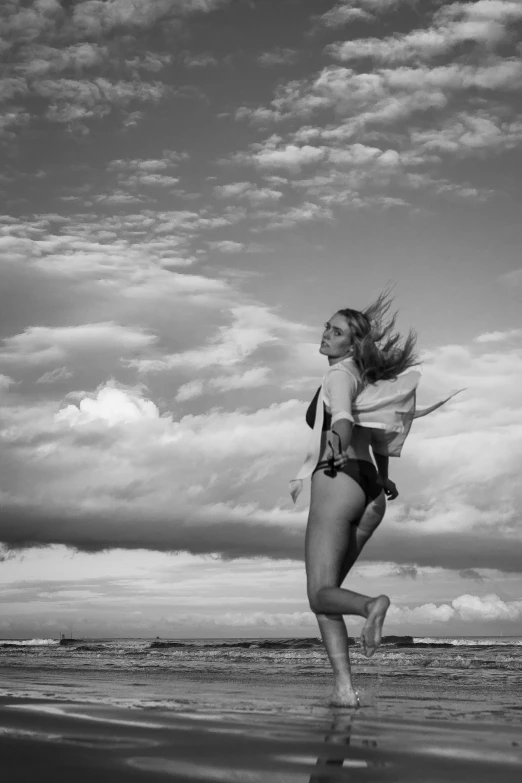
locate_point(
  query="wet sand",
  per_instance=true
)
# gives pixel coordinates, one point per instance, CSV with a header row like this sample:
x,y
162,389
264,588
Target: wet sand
x,y
48,740
211,728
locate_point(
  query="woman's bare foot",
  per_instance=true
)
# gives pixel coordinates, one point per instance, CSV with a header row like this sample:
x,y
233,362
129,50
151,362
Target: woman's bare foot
x,y
344,696
372,629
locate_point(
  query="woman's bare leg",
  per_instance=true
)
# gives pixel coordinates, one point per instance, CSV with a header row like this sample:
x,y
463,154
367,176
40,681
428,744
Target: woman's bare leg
x,y
332,546
371,519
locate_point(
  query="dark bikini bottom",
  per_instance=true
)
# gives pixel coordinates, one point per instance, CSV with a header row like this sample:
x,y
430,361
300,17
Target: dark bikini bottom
x,y
362,471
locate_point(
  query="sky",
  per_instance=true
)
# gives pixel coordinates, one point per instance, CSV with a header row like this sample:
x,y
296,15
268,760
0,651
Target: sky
x,y
190,189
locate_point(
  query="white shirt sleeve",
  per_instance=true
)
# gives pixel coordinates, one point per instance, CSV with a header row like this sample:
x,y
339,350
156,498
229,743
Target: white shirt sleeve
x,y
341,388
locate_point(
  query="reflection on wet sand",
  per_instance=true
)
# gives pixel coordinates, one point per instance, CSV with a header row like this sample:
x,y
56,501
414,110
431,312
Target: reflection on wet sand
x,y
337,763
111,744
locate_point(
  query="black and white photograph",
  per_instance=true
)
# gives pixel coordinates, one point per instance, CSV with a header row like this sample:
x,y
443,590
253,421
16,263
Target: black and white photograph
x,y
261,391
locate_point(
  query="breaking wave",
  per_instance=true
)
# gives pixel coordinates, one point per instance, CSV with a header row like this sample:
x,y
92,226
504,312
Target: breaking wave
x,y
29,642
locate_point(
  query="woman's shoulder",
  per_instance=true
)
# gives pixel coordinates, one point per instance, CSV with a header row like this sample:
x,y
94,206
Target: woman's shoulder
x,y
347,366
348,369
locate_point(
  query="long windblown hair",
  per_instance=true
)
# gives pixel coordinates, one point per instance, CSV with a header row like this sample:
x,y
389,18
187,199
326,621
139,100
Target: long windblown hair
x,y
378,350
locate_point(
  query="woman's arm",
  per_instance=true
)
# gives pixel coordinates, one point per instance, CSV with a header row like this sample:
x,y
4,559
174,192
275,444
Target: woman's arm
x,y
382,463
341,388
388,485
343,428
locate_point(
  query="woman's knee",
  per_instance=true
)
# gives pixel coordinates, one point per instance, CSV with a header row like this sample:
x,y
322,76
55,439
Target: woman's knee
x,y
316,599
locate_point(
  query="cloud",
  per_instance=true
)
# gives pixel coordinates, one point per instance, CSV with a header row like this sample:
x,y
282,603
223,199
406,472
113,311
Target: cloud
x,y
43,345
11,120
147,165
58,374
499,337
199,60
304,213
47,39
410,95
468,15
290,156
426,613
252,327
471,573
40,60
216,482
111,406
152,62
250,379
279,56
467,608
6,381
247,191
227,246
453,25
94,17
97,442
488,607
346,11
468,134
134,254
72,99
256,619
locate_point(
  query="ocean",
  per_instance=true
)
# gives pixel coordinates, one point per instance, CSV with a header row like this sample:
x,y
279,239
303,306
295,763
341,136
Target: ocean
x,y
488,665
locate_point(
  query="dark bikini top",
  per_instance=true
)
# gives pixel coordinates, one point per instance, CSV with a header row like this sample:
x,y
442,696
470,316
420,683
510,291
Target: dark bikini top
x,y
312,410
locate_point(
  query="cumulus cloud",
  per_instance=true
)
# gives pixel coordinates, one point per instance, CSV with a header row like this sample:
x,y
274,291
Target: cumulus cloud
x,y
94,468
6,381
99,439
488,607
271,155
467,608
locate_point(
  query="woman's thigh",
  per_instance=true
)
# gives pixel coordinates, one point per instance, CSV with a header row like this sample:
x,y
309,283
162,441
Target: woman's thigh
x,y
363,530
372,516
335,504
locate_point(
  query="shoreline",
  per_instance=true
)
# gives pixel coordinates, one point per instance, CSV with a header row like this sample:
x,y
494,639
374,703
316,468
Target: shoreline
x,y
423,695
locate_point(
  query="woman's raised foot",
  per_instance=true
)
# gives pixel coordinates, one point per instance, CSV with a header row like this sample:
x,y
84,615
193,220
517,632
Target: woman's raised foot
x,y
372,629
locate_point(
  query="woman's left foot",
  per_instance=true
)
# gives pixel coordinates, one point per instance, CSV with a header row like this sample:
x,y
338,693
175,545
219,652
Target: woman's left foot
x,y
372,629
344,697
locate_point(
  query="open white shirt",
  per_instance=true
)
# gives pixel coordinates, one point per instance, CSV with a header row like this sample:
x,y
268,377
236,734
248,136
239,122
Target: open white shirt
x,y
386,407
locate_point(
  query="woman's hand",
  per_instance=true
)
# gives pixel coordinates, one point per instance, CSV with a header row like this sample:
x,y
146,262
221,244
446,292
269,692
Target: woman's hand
x,y
340,459
390,490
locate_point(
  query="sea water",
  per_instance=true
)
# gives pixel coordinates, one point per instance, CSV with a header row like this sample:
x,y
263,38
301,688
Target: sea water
x,y
473,678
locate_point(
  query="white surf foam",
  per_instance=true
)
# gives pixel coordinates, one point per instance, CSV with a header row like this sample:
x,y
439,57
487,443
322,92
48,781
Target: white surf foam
x,y
30,642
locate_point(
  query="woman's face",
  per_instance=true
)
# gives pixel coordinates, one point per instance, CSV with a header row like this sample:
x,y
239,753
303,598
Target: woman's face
x,y
337,339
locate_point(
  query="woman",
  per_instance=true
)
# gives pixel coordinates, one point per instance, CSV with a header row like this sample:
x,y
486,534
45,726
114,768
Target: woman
x,y
365,405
